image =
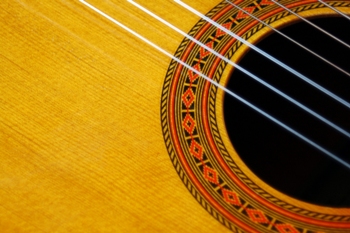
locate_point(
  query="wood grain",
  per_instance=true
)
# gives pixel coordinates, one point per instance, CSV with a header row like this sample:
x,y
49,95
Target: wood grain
x,y
81,143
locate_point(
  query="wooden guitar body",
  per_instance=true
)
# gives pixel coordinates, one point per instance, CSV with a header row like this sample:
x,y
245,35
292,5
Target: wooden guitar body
x,y
100,132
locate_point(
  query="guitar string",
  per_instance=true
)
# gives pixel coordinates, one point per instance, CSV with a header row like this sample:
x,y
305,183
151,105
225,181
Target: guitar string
x,y
251,75
312,24
296,73
288,38
150,43
335,9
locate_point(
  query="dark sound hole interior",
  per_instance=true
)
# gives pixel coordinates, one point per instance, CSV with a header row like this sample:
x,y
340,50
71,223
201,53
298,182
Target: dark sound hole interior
x,y
278,157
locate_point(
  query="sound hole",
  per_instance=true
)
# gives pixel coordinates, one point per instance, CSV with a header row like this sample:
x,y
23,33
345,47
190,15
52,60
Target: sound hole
x,y
278,157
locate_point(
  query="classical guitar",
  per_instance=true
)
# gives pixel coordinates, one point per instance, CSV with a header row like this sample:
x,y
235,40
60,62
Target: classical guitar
x,y
133,116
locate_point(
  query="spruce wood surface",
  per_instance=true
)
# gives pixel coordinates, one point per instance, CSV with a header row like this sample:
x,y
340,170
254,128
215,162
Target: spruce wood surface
x,y
81,146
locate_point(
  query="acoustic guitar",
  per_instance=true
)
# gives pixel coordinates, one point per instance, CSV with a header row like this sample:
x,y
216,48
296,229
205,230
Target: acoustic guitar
x,y
103,131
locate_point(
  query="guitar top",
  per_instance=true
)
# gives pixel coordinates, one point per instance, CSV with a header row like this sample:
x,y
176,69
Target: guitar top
x,y
101,132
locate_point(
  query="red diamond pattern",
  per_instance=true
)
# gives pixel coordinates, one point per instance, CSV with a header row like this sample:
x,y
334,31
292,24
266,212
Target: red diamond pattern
x,y
220,32
203,52
196,150
231,197
286,228
193,76
266,2
257,216
188,97
210,175
243,15
189,124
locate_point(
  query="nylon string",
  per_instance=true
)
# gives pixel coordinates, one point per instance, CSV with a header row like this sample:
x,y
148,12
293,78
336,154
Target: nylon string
x,y
299,75
312,24
273,119
334,126
288,38
335,9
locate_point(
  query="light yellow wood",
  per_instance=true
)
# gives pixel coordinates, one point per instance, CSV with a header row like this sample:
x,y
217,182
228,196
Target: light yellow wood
x,y
81,145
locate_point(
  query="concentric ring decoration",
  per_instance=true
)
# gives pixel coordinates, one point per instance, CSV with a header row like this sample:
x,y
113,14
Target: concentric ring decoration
x,y
196,139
